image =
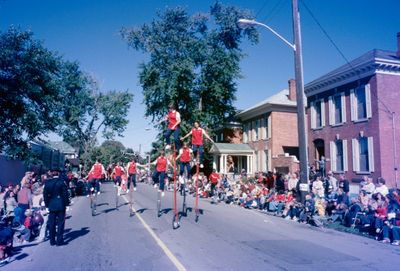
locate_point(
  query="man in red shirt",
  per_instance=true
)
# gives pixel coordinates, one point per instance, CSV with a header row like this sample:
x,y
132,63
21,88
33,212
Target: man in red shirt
x,y
97,171
185,156
214,179
118,171
197,134
174,120
159,174
131,168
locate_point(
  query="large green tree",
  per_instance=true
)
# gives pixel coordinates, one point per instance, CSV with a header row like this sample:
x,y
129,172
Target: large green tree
x,y
40,92
89,113
194,62
31,85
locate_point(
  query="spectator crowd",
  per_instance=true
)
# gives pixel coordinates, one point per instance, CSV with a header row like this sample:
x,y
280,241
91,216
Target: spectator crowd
x,y
374,211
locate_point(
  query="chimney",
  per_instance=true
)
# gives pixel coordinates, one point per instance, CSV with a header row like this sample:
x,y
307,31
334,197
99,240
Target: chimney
x,y
398,44
292,90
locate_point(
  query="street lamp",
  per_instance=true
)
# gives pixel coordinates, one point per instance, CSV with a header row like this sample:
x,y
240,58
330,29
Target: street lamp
x,y
298,62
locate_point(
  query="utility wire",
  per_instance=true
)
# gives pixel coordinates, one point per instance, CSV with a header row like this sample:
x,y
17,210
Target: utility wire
x,y
262,7
271,14
341,53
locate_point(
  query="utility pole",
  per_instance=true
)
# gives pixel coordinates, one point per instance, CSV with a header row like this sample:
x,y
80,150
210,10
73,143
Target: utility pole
x,y
301,123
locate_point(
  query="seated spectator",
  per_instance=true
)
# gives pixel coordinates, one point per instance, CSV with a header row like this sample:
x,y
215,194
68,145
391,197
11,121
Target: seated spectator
x,y
369,187
320,206
351,215
10,203
364,199
318,188
381,187
308,211
392,227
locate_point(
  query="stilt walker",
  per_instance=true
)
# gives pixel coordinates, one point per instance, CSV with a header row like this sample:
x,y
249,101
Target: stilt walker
x,y
185,157
175,221
159,174
196,208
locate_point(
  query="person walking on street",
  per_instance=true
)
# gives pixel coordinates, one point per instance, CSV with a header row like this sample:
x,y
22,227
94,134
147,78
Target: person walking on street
x,y
197,134
214,179
55,195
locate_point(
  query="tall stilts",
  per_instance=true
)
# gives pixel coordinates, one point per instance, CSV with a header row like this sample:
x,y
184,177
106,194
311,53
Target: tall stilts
x,y
175,220
197,211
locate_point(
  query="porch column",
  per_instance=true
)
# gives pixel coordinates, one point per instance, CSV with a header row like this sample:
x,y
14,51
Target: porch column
x,y
214,161
221,163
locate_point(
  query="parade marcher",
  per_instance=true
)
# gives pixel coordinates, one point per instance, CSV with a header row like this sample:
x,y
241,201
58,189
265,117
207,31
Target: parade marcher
x,y
159,174
118,171
97,172
174,119
55,196
131,169
197,134
184,157
214,179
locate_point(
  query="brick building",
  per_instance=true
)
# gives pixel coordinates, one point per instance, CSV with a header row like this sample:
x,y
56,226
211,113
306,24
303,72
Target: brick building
x,y
352,117
270,129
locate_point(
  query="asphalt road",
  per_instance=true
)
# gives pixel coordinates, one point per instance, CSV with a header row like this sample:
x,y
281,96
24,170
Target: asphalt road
x,y
226,237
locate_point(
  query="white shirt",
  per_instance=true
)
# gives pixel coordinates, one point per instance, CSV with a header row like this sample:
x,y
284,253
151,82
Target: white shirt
x,y
382,189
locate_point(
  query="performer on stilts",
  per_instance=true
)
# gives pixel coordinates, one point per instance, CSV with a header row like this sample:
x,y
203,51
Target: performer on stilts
x,y
118,171
131,169
184,157
197,134
174,119
159,174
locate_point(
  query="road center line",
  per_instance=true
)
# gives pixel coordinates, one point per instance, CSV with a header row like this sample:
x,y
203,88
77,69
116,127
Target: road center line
x,y
159,242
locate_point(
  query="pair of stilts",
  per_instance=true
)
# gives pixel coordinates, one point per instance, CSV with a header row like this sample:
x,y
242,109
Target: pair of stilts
x,y
177,215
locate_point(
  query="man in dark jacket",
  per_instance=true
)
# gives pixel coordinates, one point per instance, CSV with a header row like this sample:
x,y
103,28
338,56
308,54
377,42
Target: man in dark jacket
x,y
55,196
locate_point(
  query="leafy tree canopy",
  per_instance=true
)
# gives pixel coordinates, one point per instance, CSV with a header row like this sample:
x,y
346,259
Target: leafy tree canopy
x,y
31,84
194,62
41,93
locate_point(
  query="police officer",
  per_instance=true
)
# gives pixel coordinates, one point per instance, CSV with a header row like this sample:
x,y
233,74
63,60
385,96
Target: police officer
x,y
56,199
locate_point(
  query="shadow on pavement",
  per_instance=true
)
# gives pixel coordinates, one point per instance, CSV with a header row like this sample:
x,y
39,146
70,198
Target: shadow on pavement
x,y
165,210
141,211
72,235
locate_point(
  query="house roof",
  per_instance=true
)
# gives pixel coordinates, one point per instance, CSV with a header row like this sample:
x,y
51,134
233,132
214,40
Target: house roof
x,y
74,161
228,148
374,61
62,146
273,102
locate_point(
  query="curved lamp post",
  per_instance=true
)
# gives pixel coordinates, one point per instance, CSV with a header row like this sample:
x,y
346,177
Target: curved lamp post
x,y
298,61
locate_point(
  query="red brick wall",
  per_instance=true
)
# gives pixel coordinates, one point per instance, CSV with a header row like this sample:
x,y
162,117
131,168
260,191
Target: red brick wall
x,y
379,127
284,131
389,95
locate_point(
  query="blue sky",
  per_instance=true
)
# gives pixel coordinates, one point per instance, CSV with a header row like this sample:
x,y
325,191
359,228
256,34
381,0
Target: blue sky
x,y
87,31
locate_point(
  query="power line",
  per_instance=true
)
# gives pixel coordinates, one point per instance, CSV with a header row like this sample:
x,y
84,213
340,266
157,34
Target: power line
x,y
273,11
341,53
262,7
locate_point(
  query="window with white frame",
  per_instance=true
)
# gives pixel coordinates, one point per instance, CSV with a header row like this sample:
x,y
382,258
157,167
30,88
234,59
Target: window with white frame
x,y
360,102
245,133
264,127
317,114
363,154
337,109
266,153
338,153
